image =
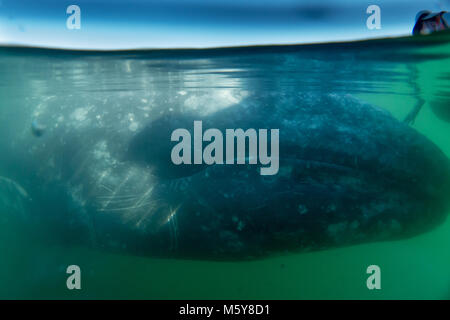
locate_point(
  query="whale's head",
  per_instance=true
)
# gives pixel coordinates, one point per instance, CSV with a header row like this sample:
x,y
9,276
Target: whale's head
x,y
349,173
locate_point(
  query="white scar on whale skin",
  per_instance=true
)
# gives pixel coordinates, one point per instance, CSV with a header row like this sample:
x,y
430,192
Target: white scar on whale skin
x,y
170,216
15,186
133,201
115,192
134,208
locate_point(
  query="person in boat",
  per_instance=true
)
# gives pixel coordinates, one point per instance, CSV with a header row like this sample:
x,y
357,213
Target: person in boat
x,y
428,22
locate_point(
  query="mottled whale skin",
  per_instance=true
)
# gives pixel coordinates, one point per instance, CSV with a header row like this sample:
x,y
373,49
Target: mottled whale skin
x,y
349,173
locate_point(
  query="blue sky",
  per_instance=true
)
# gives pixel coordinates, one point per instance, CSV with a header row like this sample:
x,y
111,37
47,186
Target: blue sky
x,y
120,24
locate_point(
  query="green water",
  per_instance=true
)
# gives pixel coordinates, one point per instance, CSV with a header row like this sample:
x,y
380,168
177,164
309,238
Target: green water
x,y
390,74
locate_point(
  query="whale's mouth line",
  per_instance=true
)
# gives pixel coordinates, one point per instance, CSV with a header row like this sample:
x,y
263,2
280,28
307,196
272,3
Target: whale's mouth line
x,y
330,171
395,181
310,163
306,163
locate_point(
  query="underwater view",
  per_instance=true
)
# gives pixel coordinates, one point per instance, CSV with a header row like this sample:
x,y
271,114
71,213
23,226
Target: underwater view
x,y
191,150
86,178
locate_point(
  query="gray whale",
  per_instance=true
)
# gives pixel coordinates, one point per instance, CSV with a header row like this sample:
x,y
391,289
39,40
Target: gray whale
x,y
349,173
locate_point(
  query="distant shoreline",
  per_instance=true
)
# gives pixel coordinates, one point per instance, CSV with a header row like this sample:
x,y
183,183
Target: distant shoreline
x,y
436,38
